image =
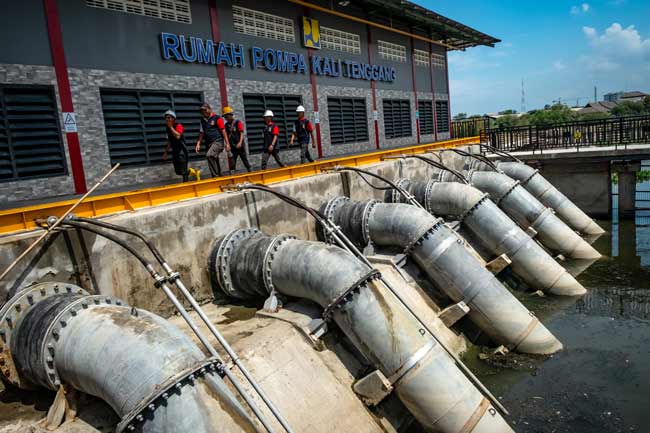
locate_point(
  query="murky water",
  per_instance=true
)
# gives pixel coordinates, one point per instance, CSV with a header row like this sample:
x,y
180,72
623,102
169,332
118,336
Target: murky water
x,y
600,382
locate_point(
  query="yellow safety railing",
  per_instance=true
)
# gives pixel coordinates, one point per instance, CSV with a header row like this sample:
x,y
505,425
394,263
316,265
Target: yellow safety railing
x,y
23,218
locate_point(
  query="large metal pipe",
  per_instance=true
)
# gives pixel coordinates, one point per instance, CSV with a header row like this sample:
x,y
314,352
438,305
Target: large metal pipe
x,y
550,196
527,211
449,264
496,232
153,376
247,264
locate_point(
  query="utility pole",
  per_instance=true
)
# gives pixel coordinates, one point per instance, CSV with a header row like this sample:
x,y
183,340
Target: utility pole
x,y
523,97
595,94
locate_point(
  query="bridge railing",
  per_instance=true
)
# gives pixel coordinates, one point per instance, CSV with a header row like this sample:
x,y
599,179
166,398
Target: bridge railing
x,y
473,127
619,131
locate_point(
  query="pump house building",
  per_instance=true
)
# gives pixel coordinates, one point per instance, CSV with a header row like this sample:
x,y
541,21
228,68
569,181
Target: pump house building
x,y
84,83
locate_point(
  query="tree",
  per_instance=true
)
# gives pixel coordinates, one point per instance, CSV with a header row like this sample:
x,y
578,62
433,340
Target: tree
x,y
558,113
460,116
630,108
507,121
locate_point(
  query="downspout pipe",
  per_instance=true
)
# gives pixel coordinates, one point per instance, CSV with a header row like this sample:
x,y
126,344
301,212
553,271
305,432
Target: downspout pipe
x,y
248,264
443,257
152,375
527,211
550,196
496,232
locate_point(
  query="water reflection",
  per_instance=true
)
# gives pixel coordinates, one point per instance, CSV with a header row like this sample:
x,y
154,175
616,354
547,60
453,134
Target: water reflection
x,y
598,383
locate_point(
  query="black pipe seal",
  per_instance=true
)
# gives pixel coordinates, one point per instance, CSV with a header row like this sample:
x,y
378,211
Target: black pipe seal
x,y
346,296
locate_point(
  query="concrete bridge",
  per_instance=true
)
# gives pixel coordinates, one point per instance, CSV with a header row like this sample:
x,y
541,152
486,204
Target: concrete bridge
x,y
584,175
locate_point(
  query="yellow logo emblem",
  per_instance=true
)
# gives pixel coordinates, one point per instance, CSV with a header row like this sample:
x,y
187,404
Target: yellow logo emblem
x,y
310,33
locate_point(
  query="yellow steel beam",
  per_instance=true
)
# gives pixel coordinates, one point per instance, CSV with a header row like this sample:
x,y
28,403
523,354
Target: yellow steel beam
x,y
23,218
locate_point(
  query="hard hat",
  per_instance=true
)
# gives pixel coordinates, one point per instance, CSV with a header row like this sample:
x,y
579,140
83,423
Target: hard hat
x,y
300,109
268,113
227,110
169,113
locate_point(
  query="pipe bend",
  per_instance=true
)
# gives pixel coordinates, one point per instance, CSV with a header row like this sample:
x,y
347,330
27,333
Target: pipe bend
x,y
379,326
126,357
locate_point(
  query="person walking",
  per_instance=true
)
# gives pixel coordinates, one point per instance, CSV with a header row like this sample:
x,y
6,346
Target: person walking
x,y
213,130
303,130
176,144
271,146
235,133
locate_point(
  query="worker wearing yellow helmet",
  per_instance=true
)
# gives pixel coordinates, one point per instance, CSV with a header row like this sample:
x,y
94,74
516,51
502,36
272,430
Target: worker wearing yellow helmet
x,y
236,138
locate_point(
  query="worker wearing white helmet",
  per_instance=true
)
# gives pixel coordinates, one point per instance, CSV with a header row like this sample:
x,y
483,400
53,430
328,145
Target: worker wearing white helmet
x,y
271,146
303,130
176,143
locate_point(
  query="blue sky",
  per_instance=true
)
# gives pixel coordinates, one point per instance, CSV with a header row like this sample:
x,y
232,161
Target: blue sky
x,y
561,49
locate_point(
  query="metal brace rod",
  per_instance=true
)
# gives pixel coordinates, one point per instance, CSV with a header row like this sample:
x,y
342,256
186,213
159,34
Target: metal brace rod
x,y
161,282
433,163
344,242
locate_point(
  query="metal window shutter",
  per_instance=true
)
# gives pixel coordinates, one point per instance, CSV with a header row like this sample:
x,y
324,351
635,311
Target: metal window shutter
x,y
347,120
426,117
135,127
442,116
30,136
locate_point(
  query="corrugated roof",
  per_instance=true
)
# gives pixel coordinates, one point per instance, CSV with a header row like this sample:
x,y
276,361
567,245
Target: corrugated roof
x,y
406,15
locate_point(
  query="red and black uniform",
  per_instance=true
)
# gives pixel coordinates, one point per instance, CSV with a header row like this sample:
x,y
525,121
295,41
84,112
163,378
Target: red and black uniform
x,y
211,128
303,128
179,151
234,131
270,131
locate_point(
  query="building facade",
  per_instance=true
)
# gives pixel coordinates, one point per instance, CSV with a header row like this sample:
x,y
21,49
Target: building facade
x,y
84,83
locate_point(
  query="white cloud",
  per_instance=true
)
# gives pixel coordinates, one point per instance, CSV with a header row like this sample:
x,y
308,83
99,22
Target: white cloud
x,y
559,65
616,49
582,8
618,42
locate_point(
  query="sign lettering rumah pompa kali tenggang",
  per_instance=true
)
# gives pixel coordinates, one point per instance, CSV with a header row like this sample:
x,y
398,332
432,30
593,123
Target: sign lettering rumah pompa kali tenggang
x,y
191,49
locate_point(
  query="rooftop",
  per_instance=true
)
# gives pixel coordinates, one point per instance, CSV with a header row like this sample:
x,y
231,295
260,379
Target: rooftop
x,y
408,16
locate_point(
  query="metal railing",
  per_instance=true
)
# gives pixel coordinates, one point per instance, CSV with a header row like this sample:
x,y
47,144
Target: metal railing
x,y
619,131
469,127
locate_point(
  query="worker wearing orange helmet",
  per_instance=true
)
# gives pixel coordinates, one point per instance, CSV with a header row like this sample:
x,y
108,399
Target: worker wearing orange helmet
x,y
236,138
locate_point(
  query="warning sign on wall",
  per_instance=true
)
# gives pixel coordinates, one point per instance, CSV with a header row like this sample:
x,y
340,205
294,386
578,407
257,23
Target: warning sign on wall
x,y
69,122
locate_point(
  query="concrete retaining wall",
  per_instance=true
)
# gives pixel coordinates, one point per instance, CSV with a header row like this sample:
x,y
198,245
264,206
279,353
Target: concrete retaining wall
x,y
184,232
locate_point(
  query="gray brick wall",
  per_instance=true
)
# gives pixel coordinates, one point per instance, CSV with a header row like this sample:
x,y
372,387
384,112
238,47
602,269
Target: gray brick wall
x,y
346,148
395,94
28,189
86,85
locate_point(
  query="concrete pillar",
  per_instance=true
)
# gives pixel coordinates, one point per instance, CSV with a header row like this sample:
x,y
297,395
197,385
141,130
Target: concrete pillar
x,y
626,188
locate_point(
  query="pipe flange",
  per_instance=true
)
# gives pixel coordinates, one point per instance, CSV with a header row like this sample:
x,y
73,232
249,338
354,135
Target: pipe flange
x,y
53,333
347,295
223,257
525,181
15,309
162,391
267,262
427,195
365,220
505,194
475,206
417,241
396,197
330,207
